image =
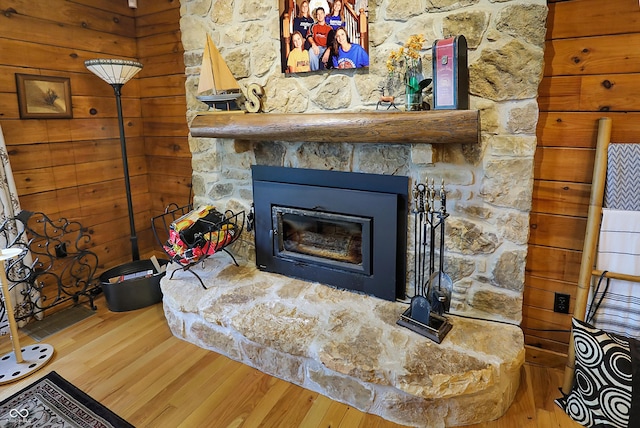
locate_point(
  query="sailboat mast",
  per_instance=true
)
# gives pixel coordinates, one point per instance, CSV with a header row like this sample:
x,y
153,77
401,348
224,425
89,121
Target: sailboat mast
x,y
206,70
213,75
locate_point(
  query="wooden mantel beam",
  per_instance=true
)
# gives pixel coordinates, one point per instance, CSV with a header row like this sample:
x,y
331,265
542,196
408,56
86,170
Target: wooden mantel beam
x,y
433,127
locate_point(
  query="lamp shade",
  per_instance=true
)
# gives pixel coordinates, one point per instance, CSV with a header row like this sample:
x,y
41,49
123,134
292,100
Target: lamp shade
x,y
113,71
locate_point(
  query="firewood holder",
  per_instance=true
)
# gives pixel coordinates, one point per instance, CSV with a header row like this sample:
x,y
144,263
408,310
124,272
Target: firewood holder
x,y
230,227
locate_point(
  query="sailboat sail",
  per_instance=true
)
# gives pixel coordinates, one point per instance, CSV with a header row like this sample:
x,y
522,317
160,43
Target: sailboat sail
x,y
214,73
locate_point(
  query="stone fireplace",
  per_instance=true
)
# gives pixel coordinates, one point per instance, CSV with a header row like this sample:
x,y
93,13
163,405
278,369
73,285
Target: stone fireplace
x,y
489,183
342,344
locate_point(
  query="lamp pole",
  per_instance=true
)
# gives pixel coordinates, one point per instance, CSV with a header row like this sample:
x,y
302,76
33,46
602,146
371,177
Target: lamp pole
x,y
127,183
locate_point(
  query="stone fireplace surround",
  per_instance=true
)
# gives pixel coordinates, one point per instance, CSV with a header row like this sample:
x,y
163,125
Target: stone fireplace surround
x,y
483,254
344,345
491,181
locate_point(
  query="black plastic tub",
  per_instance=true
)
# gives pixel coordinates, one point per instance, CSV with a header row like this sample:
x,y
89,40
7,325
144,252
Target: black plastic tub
x,y
134,293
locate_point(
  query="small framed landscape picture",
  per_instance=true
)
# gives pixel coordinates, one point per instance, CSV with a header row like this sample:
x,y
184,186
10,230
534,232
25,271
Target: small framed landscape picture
x,y
43,97
319,35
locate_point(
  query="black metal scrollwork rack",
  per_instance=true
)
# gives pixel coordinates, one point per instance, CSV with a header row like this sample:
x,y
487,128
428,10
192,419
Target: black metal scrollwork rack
x,y
55,266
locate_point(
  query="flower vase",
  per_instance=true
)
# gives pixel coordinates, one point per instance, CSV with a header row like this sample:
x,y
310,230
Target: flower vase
x,y
413,100
413,93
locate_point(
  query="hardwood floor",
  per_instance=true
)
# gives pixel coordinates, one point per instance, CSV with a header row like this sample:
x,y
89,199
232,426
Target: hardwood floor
x,y
130,362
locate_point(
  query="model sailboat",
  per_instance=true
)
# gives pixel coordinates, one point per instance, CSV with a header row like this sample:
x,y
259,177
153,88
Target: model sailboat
x,y
216,76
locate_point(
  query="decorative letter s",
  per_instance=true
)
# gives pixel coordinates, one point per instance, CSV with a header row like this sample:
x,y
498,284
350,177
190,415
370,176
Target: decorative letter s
x,y
255,93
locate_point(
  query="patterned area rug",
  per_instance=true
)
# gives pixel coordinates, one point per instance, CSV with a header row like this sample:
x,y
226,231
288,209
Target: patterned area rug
x,y
54,402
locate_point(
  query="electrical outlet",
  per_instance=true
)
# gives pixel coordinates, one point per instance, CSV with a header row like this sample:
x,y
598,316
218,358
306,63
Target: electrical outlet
x,y
561,303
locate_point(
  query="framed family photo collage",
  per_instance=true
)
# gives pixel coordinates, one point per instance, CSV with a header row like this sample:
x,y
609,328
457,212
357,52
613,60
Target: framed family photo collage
x,y
319,35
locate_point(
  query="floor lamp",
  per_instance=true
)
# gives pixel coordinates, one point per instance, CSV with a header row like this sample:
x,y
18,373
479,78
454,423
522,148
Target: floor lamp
x,y
117,72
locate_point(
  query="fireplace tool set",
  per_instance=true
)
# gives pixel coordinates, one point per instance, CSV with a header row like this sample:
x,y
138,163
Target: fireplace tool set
x,y
432,288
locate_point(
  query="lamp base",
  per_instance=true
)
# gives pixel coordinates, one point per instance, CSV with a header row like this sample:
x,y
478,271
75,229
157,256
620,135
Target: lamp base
x,y
34,356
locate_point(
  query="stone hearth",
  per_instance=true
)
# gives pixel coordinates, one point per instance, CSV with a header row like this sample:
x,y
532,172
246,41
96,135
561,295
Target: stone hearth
x,y
347,346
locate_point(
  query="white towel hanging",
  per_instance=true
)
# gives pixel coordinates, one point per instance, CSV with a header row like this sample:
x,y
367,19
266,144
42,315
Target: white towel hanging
x,y
619,251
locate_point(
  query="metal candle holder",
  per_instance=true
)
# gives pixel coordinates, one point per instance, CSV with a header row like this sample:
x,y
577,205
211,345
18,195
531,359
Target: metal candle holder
x,y
432,288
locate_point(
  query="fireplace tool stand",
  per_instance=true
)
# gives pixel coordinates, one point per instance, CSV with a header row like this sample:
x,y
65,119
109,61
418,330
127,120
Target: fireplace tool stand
x,y
432,288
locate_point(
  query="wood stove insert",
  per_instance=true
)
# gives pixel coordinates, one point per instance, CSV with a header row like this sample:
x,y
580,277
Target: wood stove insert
x,y
338,228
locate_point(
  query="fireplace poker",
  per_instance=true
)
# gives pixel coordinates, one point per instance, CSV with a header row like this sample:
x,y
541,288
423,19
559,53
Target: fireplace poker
x,y
425,222
416,240
420,306
439,296
443,198
443,214
419,237
432,237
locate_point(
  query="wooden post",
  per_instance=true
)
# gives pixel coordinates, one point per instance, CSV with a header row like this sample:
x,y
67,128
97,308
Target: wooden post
x,y
590,240
8,306
364,30
286,34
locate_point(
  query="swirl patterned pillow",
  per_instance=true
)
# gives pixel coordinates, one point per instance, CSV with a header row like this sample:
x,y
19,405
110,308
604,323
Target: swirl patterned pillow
x,y
606,390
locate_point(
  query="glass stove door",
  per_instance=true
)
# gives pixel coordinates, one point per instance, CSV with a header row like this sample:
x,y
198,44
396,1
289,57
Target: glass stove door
x,y
334,240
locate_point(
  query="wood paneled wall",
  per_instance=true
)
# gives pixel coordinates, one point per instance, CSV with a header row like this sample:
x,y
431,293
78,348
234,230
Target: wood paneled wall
x,y
73,167
163,103
592,61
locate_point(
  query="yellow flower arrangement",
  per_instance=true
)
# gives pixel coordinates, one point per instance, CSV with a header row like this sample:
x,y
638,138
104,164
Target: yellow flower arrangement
x,y
407,58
